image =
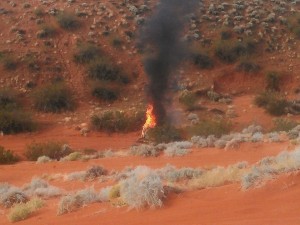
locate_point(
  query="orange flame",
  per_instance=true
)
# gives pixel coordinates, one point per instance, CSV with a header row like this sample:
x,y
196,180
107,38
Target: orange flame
x,y
150,120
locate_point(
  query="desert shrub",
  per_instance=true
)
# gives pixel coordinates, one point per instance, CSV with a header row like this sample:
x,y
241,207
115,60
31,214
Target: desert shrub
x,y
15,121
226,34
293,24
10,195
211,127
188,99
39,12
178,148
24,210
9,63
52,149
68,21
78,175
8,99
283,124
104,71
117,121
54,98
73,156
273,80
248,67
272,102
41,188
163,134
144,150
203,61
116,42
75,201
142,188
46,31
228,51
172,174
43,159
86,53
94,172
104,93
7,156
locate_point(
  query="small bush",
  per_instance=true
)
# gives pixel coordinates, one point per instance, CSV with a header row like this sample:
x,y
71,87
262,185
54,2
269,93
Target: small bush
x,y
248,67
211,127
105,94
54,150
24,210
68,21
47,31
54,98
144,150
8,99
273,80
116,42
273,103
188,99
16,121
229,52
294,24
87,53
95,172
9,63
142,188
203,61
282,124
41,188
7,156
163,134
73,156
75,201
39,12
10,196
117,121
104,71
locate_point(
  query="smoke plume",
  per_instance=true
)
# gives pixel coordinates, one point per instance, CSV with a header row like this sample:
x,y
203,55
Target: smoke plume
x,y
161,37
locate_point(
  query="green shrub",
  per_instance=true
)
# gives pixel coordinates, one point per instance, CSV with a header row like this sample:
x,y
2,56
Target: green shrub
x,y
54,98
118,121
188,99
272,102
210,127
104,71
87,53
52,149
248,67
15,121
47,31
273,81
7,156
228,51
164,134
23,210
283,124
105,94
8,99
203,61
68,21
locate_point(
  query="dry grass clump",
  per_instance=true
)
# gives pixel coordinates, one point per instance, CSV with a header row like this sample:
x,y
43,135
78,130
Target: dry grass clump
x,y
73,156
90,174
142,188
23,210
144,150
219,176
10,195
172,174
73,202
41,188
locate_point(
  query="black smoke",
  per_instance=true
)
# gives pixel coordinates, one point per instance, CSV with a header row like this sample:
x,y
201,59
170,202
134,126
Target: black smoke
x,y
162,40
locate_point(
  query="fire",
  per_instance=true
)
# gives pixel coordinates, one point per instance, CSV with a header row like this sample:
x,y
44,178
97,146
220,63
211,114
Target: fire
x,y
150,120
